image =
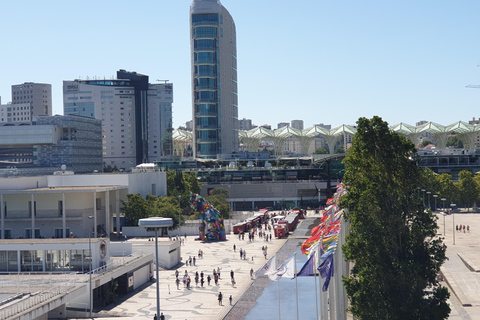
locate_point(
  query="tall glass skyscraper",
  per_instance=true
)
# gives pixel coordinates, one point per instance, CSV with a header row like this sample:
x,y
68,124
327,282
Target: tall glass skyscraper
x,y
214,79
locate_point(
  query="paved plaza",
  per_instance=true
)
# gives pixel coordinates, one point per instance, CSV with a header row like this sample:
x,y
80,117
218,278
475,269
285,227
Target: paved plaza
x,y
462,273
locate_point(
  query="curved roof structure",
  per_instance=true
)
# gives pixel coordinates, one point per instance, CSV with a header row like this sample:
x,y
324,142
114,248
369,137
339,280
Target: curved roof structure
x,y
252,138
440,133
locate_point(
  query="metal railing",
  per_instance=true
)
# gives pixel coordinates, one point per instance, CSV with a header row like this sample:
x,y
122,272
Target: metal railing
x,y
41,287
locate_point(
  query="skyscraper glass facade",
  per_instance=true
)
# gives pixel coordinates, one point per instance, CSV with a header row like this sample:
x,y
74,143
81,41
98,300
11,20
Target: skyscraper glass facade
x,y
214,79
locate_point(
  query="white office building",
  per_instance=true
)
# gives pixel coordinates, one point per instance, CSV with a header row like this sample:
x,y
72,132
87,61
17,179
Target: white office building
x,y
15,113
136,116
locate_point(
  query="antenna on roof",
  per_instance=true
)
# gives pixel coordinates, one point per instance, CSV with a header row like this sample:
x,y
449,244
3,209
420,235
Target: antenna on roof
x,y
163,80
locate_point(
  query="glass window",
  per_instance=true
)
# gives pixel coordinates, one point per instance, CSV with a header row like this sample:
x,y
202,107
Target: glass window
x,y
205,83
207,122
205,32
205,18
205,70
205,57
205,44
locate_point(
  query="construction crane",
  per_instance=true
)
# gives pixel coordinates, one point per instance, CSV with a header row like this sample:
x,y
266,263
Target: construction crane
x,y
475,86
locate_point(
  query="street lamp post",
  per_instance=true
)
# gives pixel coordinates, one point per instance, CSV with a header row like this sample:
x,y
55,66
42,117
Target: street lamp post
x,y
179,212
453,205
429,206
423,194
90,297
435,196
155,224
444,213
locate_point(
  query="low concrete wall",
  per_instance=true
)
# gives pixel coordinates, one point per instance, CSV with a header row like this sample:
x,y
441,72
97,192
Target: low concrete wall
x,y
120,249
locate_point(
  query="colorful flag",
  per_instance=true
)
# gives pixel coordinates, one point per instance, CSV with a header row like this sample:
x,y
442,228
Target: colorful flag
x,y
269,267
308,267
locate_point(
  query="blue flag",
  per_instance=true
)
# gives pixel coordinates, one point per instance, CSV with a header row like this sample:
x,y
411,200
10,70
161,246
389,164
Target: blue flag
x,y
326,271
307,269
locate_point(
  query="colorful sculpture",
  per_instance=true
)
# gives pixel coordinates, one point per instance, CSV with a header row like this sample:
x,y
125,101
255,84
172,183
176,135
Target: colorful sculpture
x,y
211,221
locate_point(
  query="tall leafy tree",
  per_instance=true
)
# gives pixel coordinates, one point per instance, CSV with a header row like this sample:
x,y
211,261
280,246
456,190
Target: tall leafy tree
x,y
468,188
392,243
134,209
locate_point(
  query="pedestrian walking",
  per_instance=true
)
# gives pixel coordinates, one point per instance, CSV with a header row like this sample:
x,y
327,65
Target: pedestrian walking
x,y
177,281
185,281
241,253
155,317
194,261
218,272
202,282
196,280
232,273
209,279
162,317
215,278
230,298
468,228
251,273
233,282
176,273
234,247
220,297
188,282
244,255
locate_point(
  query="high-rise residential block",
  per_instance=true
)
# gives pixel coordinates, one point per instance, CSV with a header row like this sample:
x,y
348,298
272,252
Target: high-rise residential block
x,y
214,79
38,95
245,124
297,124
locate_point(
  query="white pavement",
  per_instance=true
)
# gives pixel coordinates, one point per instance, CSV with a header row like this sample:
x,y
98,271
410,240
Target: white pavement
x,y
198,303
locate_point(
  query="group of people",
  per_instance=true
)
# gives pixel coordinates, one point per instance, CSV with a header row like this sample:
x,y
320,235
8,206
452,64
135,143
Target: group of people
x,y
462,227
200,278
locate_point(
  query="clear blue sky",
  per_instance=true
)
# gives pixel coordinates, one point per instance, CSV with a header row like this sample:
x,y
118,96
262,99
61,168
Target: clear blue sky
x,y
317,60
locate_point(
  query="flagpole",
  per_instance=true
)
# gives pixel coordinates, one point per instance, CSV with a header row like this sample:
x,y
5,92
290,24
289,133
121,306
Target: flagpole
x,y
295,273
315,277
278,289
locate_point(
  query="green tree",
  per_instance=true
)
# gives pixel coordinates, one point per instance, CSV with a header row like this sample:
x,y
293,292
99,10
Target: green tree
x,y
321,150
468,189
455,142
396,256
218,198
134,208
447,188
339,149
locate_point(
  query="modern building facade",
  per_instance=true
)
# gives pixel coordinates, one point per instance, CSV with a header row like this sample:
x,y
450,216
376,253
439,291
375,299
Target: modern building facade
x,y
214,79
38,95
49,142
160,127
245,124
15,113
297,124
133,127
57,205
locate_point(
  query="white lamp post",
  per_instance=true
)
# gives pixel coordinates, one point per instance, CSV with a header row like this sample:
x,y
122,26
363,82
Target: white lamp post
x,y
453,205
179,212
155,224
444,213
91,265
